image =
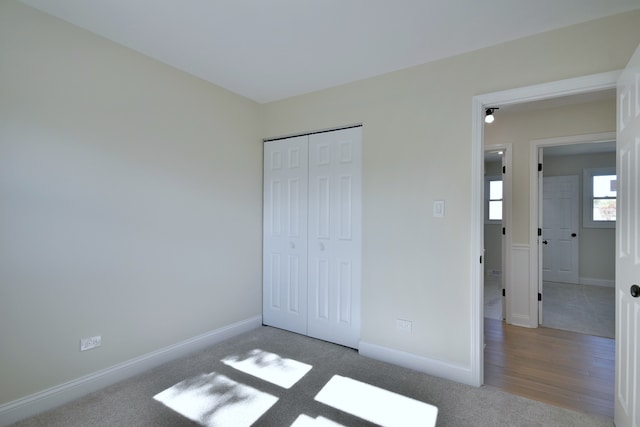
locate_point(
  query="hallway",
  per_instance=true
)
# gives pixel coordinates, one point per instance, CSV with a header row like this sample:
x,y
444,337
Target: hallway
x,y
566,369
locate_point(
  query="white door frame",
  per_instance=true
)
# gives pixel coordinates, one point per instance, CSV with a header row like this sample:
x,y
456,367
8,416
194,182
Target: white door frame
x,y
555,89
535,146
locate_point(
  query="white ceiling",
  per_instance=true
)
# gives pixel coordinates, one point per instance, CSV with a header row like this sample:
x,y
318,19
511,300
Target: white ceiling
x,y
576,149
563,150
562,101
273,49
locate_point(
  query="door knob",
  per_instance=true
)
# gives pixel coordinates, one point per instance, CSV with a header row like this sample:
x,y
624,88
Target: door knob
x,y
573,234
545,242
321,246
635,291
293,245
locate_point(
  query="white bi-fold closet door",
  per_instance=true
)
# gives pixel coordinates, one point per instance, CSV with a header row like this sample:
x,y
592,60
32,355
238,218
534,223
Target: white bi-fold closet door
x,y
312,235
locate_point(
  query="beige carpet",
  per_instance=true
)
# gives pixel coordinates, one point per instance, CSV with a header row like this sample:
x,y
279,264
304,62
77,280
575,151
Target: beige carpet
x,y
207,387
579,308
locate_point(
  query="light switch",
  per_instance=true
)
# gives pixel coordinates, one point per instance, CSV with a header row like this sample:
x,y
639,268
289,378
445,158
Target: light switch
x,y
438,208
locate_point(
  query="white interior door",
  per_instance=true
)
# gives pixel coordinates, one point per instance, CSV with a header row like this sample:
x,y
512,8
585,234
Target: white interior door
x,y
335,240
560,223
312,235
285,234
627,405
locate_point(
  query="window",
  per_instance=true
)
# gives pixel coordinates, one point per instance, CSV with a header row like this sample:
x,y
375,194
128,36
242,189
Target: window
x,y
599,198
493,199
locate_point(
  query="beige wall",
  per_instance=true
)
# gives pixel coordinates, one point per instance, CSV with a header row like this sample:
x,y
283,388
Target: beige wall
x,y
132,192
417,149
131,203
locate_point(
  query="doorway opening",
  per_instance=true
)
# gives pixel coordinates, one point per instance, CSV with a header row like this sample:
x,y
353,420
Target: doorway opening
x,y
576,260
497,229
547,91
493,224
522,288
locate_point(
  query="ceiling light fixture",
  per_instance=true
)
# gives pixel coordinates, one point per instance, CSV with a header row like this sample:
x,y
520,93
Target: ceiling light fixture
x,y
489,117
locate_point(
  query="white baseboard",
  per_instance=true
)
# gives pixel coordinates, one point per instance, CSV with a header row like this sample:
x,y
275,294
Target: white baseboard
x,y
437,368
597,282
58,395
523,321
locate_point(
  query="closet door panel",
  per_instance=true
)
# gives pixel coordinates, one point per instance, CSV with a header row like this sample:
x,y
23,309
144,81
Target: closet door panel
x,y
285,234
335,236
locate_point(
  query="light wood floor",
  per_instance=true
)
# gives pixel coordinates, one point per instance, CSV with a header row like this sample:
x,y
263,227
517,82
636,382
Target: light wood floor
x,y
561,368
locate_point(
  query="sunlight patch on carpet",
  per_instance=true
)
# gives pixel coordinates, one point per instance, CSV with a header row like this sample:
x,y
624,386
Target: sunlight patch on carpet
x,y
375,404
215,400
269,367
306,421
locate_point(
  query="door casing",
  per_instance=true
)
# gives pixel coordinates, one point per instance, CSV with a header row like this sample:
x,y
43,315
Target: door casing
x,y
573,86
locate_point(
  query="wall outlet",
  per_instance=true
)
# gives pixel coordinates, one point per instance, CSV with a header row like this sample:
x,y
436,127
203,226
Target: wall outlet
x,y
438,208
403,326
91,342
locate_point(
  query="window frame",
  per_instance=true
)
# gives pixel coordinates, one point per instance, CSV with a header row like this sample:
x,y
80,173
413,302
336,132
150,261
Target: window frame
x,y
487,198
587,197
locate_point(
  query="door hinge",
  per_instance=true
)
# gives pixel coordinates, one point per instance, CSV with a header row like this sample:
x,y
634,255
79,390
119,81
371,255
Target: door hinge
x,y
504,169
504,292
504,231
539,231
539,167
539,296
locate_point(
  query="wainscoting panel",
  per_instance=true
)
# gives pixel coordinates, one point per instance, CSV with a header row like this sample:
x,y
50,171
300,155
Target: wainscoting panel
x,y
519,304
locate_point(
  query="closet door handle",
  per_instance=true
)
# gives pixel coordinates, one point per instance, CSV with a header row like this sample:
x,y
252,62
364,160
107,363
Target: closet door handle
x,y
321,246
292,244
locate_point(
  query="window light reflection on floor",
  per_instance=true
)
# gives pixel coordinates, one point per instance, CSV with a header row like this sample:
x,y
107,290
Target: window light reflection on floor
x,y
215,400
375,404
269,367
